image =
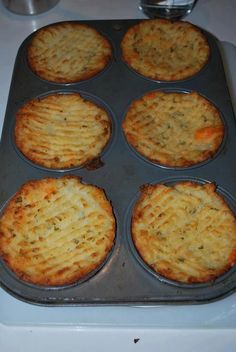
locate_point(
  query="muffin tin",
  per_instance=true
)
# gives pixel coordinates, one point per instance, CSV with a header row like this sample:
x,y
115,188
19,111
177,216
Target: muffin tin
x,y
123,279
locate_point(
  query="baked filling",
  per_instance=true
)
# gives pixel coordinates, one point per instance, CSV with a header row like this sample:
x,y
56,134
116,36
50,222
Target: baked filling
x,y
174,129
55,231
62,130
68,52
185,232
163,50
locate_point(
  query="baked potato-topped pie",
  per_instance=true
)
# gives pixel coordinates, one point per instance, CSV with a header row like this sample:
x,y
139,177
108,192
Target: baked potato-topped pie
x,y
174,129
164,50
68,52
185,232
55,231
62,131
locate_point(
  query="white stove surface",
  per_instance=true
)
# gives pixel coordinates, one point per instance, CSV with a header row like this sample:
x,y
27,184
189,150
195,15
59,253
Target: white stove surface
x,y
26,327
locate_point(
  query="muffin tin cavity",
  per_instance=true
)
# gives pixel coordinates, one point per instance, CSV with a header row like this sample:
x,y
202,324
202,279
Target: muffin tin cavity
x,y
174,129
59,125
177,246
164,50
68,52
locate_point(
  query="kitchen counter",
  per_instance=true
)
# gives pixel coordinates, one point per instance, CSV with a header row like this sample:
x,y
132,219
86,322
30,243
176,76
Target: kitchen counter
x,y
25,327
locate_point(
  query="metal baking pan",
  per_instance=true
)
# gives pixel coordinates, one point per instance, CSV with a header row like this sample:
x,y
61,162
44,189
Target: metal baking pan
x,y
123,279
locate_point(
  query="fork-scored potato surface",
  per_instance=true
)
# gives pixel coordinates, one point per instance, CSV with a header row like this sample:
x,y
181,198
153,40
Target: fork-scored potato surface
x,y
174,129
164,50
68,52
184,232
62,130
56,231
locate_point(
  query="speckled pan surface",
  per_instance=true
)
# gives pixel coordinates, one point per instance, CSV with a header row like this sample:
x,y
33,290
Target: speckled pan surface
x,y
123,279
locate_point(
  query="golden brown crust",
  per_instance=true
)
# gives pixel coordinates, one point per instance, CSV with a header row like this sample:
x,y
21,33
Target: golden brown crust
x,y
68,52
174,129
185,232
62,130
163,50
56,231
